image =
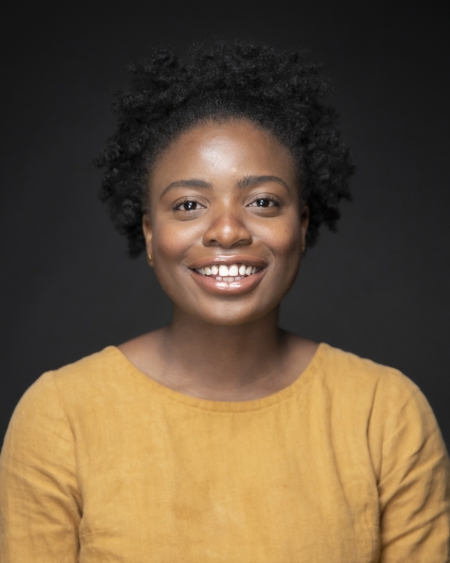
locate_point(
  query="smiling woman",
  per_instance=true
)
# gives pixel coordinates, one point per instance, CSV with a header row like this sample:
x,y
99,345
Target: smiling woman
x,y
223,438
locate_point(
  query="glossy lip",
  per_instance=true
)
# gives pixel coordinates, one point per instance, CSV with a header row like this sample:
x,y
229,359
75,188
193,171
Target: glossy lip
x,y
230,288
244,285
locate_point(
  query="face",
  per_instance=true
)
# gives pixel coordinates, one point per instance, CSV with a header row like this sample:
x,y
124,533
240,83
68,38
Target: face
x,y
225,227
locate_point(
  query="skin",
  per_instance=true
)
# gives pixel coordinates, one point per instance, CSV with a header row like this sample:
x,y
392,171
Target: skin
x,y
224,192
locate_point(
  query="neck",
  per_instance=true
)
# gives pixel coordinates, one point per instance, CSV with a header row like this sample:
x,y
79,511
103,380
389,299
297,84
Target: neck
x,y
201,358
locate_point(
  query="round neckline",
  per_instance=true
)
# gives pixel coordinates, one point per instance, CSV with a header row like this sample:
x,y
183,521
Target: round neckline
x,y
221,406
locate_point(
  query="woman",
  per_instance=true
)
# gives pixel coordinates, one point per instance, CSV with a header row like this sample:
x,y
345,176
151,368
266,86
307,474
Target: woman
x,y
221,437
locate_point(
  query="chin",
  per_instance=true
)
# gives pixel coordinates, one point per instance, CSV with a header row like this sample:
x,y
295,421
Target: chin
x,y
227,317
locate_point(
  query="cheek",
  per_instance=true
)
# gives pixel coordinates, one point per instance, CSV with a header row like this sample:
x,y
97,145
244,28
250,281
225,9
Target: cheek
x,y
284,238
168,246
172,240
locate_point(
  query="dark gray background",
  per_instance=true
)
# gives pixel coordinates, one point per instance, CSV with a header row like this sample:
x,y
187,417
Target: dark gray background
x,y
379,288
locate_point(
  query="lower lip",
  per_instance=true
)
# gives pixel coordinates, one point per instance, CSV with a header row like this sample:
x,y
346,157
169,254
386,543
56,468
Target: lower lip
x,y
229,288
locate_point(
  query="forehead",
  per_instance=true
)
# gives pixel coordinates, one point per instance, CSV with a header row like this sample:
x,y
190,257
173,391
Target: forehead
x,y
219,149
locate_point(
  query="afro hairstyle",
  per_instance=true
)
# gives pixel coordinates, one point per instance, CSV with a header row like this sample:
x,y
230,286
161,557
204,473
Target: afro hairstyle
x,y
277,90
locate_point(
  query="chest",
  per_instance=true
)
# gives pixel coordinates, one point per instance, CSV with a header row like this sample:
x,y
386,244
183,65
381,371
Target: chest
x,y
254,489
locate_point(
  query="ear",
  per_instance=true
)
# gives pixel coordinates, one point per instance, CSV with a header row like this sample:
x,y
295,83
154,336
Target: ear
x,y
148,233
304,222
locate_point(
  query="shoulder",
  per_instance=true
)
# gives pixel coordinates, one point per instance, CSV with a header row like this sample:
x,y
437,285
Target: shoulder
x,y
394,408
351,372
380,395
96,381
48,400
395,416
95,372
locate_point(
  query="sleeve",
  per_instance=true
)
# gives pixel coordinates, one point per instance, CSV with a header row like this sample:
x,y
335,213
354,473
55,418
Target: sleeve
x,y
40,504
414,484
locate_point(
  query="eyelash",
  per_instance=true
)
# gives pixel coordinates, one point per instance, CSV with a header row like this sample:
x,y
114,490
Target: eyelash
x,y
176,206
178,203
271,199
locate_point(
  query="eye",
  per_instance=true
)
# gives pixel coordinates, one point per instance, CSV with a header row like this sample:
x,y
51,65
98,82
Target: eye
x,y
188,205
264,202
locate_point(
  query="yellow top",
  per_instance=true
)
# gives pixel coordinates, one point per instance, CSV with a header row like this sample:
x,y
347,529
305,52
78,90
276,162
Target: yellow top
x,y
102,464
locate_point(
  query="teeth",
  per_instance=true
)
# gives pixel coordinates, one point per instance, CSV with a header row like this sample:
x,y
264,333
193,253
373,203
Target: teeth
x,y
235,272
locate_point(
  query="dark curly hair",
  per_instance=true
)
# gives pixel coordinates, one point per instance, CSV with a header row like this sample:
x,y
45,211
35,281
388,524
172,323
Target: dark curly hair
x,y
276,90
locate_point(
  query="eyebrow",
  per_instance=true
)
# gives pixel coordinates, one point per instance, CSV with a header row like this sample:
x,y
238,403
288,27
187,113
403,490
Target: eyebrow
x,y
246,182
252,181
193,183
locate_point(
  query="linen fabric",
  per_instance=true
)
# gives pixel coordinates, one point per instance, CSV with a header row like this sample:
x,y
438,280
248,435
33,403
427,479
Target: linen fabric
x,y
102,464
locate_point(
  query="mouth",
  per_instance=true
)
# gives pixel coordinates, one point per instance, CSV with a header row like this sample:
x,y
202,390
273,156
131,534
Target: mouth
x,y
229,275
228,272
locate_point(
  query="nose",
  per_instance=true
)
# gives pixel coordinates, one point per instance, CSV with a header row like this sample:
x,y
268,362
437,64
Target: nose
x,y
227,230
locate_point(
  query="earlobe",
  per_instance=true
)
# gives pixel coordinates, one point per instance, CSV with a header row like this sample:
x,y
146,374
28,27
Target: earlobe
x,y
304,220
148,232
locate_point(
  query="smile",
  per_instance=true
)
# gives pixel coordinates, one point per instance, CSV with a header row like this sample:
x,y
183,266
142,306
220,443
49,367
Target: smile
x,y
230,273
223,276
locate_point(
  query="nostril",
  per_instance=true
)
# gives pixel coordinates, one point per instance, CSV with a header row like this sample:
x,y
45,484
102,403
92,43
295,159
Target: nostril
x,y
227,232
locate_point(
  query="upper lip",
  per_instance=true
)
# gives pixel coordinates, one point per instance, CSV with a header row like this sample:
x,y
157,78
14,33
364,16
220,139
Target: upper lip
x,y
253,261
